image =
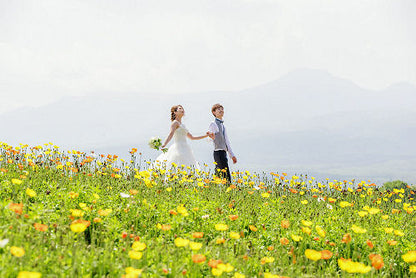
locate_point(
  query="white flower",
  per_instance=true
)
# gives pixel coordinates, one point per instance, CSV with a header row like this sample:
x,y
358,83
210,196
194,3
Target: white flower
x,y
320,199
4,242
205,216
124,195
328,206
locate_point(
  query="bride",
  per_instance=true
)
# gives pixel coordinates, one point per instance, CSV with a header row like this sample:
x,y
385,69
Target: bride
x,y
180,152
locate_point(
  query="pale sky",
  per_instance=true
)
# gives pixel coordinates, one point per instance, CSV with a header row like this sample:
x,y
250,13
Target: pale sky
x,y
54,48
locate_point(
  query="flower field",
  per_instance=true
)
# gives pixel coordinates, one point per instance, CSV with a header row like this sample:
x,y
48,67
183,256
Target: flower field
x,y
72,214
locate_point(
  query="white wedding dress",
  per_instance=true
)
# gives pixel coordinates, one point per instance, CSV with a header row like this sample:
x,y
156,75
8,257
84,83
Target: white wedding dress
x,y
180,152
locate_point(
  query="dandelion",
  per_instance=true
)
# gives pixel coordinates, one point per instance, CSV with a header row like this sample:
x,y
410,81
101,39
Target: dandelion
x,y
412,268
320,231
388,230
345,204
17,181
304,202
398,233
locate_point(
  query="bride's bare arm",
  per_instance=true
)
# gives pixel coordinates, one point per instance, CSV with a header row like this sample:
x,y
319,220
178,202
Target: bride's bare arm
x,y
173,127
190,136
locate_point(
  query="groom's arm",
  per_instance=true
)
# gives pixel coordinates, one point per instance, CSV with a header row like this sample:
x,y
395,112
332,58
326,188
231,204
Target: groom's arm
x,y
230,151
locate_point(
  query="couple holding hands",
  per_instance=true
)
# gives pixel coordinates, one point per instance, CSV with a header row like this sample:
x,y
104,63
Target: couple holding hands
x,y
181,153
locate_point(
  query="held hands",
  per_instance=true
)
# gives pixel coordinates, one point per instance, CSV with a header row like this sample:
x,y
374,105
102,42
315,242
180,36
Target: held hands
x,y
211,135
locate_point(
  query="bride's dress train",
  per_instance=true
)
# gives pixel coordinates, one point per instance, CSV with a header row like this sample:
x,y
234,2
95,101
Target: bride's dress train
x,y
180,152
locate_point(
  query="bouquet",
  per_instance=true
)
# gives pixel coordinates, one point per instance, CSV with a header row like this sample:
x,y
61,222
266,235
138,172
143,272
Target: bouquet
x,y
155,143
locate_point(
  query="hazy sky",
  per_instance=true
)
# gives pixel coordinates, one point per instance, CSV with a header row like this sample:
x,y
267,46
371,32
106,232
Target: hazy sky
x,y
50,49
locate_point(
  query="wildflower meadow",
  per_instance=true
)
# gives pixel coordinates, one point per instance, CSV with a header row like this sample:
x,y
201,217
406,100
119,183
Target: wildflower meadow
x,y
73,214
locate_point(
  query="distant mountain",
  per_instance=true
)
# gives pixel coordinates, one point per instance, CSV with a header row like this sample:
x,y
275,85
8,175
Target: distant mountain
x,y
307,121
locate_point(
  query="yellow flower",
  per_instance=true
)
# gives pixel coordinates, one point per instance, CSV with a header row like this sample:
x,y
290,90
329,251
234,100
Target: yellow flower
x,y
169,189
320,231
398,200
362,213
388,230
239,275
398,233
16,181
304,202
182,210
195,245
265,195
216,271
221,227
181,242
133,272
266,260
412,268
344,204
78,227
29,274
105,212
306,230
374,210
138,246
358,230
234,235
135,255
313,255
306,223
331,200
77,212
225,267
353,267
385,217
409,257
30,192
296,238
269,275
17,251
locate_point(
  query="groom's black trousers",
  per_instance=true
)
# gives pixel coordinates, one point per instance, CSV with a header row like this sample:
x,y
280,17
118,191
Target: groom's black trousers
x,y
220,157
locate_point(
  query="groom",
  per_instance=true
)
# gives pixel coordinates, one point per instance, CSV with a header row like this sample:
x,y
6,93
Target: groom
x,y
221,143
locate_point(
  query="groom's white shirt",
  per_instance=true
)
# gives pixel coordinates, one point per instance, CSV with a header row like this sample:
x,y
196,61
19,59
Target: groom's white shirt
x,y
213,127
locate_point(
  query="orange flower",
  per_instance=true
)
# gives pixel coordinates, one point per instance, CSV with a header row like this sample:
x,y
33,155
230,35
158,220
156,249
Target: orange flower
x,y
326,254
17,208
173,212
270,248
284,241
40,227
370,244
285,224
253,228
391,242
133,191
198,258
165,227
376,261
214,263
198,235
346,238
233,217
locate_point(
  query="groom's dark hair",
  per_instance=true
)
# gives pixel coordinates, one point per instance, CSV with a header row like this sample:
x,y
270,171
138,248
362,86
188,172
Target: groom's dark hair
x,y
215,107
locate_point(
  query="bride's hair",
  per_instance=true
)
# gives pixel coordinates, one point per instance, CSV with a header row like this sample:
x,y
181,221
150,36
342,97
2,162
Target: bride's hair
x,y
173,110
